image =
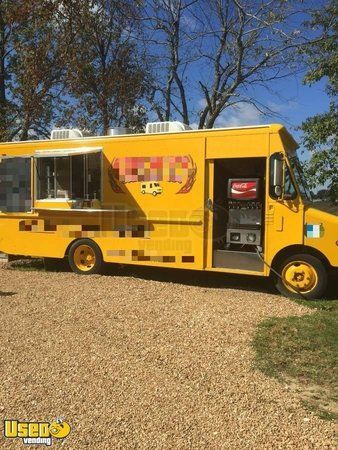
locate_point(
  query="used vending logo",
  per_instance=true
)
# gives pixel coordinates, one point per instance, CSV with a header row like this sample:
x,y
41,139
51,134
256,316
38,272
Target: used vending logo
x,y
36,433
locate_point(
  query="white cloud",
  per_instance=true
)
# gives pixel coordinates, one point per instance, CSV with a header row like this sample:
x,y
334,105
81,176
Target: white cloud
x,y
282,106
202,102
239,115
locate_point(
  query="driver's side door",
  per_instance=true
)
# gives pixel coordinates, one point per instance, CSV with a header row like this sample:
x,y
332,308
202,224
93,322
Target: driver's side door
x,y
284,213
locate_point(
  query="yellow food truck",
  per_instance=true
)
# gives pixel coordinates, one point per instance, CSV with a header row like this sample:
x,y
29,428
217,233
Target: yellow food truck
x,y
229,200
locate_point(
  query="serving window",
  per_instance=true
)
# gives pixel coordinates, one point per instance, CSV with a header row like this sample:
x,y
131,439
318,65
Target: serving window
x,y
71,177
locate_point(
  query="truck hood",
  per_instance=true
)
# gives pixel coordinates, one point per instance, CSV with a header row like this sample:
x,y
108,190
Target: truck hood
x,y
324,212
321,233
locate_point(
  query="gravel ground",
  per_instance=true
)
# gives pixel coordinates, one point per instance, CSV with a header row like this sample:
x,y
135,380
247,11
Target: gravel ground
x,y
137,362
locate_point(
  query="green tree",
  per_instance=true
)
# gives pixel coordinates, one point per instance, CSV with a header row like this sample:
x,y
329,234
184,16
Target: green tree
x,y
36,71
320,131
9,24
30,68
219,50
104,70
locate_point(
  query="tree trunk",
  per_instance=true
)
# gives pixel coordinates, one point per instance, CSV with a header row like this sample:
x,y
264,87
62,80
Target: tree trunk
x,y
185,112
25,129
3,99
105,118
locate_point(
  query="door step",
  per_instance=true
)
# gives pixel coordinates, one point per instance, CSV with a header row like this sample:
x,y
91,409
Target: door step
x,y
229,259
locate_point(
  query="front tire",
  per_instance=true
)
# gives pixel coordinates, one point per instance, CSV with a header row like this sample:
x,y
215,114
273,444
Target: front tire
x,y
85,257
302,276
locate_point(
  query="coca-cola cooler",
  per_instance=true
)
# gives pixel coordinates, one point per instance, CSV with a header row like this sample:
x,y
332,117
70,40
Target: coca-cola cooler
x,y
244,211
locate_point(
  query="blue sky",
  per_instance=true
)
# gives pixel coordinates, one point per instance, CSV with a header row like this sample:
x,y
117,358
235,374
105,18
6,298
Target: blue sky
x,y
293,103
289,97
298,103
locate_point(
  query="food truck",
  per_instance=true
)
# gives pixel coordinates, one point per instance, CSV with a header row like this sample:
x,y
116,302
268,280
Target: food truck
x,y
230,200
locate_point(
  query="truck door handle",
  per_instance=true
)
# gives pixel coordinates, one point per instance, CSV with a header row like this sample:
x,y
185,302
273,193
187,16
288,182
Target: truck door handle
x,y
210,205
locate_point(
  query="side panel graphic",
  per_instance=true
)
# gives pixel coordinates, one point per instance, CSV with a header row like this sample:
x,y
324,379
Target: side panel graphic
x,y
172,169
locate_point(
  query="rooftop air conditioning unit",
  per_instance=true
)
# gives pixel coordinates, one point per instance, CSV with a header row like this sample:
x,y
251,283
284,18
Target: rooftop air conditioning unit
x,y
166,127
64,133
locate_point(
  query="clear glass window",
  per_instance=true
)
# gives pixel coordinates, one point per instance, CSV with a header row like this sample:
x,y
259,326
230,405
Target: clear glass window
x,y
75,177
62,177
94,175
78,181
300,178
289,188
46,177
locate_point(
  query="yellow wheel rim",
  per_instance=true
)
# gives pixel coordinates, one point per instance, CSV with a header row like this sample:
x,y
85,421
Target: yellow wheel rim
x,y
84,258
300,276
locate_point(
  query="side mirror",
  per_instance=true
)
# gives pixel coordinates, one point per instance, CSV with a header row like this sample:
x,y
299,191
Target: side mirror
x,y
277,175
278,191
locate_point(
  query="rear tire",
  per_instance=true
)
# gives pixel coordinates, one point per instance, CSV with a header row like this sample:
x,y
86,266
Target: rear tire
x,y
85,257
302,276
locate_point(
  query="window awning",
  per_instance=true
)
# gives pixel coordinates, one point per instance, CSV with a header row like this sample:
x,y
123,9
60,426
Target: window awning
x,y
14,156
66,152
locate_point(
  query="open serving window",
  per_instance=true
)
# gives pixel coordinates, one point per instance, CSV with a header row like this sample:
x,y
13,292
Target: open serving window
x,y
69,175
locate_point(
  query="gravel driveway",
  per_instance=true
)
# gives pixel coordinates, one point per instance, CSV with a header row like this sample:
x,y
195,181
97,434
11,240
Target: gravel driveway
x,y
138,362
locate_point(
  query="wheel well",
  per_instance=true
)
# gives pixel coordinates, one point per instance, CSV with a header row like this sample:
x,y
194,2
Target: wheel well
x,y
78,239
67,249
294,249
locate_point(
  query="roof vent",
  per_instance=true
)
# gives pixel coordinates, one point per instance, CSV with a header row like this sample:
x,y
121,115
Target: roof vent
x,y
166,127
64,133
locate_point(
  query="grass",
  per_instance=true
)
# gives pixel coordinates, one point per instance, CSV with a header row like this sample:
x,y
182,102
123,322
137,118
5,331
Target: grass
x,y
303,352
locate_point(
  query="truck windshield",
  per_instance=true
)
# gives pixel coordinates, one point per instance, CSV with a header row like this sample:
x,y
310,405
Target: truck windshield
x,y
300,178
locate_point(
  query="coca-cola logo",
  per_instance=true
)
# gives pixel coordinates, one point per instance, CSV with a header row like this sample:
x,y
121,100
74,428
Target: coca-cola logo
x,y
244,186
243,190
